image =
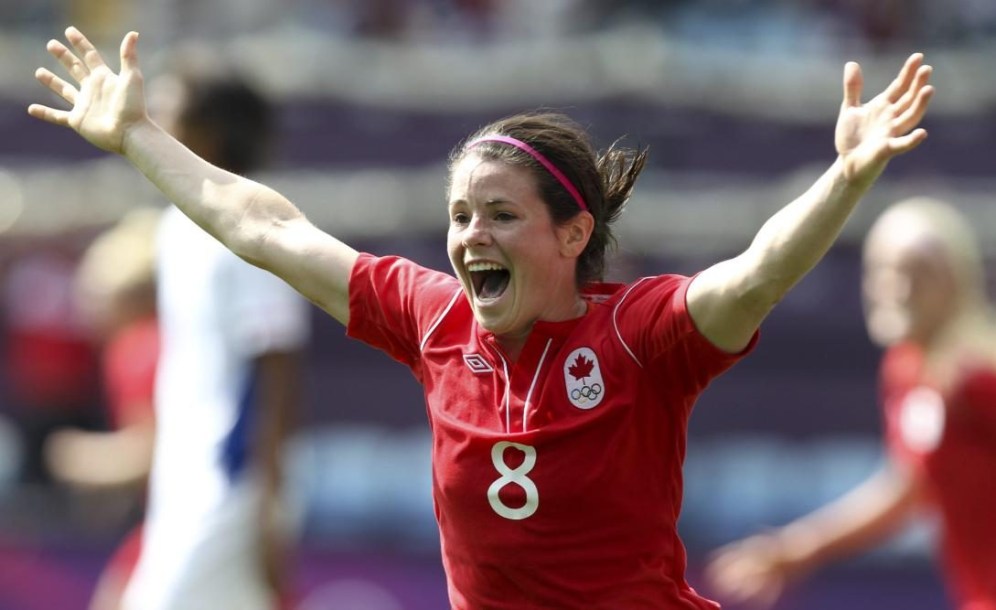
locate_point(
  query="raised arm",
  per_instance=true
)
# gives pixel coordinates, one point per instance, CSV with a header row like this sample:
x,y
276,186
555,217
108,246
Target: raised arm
x,y
729,300
108,109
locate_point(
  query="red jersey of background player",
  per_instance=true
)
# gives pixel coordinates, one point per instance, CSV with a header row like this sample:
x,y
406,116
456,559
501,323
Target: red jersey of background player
x,y
948,438
129,363
556,477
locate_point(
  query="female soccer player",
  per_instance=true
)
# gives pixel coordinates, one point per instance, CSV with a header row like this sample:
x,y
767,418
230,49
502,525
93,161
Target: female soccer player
x,y
926,303
557,404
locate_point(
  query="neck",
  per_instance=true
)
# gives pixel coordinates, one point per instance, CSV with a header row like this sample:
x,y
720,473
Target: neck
x,y
512,343
968,318
967,340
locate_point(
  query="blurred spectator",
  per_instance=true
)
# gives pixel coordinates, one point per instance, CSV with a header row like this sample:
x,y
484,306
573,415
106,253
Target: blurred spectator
x,y
49,364
117,295
881,23
103,17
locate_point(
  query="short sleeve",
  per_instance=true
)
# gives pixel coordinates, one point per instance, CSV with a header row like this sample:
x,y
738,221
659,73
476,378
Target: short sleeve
x,y
652,319
973,402
393,303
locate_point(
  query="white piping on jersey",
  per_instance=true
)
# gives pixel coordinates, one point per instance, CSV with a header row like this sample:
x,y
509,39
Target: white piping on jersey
x,y
529,394
615,322
508,382
438,321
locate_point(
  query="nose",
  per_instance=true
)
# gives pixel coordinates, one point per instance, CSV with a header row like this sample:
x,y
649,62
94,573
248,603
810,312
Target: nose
x,y
477,232
888,286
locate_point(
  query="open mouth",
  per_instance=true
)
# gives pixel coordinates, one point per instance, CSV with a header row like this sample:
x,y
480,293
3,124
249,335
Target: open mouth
x,y
488,279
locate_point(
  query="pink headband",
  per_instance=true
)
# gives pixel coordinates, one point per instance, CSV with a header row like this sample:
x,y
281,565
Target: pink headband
x,y
535,154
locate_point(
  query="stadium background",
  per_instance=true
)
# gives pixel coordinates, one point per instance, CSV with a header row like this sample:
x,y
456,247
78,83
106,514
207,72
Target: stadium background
x,y
737,101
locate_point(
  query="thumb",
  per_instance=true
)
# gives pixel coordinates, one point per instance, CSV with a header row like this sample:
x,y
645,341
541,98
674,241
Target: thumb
x,y
129,51
853,82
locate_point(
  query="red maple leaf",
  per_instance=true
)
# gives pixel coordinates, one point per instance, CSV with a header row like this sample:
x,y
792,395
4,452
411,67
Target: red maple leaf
x,y
581,368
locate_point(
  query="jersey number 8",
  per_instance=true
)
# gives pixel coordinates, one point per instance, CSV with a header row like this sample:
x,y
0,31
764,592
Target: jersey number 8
x,y
514,476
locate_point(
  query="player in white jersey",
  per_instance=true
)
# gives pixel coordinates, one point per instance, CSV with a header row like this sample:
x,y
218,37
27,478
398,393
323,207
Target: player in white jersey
x,y
226,380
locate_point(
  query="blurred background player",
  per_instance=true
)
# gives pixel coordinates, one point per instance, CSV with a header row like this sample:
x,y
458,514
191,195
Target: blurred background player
x,y
227,380
925,302
116,293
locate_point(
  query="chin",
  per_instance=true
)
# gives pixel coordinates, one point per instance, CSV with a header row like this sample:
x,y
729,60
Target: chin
x,y
887,328
884,341
488,323
495,324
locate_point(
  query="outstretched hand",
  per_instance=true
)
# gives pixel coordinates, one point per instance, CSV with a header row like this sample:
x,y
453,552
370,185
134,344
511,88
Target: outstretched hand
x,y
105,105
870,134
752,572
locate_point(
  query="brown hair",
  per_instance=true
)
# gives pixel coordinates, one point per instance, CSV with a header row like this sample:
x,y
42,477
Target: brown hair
x,y
605,181
223,105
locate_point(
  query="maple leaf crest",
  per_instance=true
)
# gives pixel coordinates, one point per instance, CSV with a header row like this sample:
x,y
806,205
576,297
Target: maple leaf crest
x,y
581,368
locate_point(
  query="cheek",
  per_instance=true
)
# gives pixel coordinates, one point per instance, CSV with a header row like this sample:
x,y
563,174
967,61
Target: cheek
x,y
930,308
536,258
452,244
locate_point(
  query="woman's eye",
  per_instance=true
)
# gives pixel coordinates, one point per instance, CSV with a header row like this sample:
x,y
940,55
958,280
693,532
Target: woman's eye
x,y
460,219
504,216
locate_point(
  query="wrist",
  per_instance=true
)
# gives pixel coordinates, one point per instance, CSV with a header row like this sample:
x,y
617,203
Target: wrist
x,y
798,550
135,135
855,174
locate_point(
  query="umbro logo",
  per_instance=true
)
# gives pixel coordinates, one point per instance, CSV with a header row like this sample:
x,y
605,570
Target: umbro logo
x,y
477,364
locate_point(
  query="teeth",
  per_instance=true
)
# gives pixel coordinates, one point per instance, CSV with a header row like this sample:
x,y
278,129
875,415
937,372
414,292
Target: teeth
x,y
472,267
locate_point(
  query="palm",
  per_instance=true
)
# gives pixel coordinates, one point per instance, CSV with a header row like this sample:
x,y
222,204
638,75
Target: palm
x,y
870,134
857,127
105,105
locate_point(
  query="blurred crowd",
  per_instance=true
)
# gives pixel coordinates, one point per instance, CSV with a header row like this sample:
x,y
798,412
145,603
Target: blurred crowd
x,y
876,24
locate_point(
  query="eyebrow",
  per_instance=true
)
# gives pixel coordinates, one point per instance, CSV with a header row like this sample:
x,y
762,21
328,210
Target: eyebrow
x,y
489,203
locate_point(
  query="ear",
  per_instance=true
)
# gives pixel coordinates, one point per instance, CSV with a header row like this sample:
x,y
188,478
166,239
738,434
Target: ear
x,y
575,233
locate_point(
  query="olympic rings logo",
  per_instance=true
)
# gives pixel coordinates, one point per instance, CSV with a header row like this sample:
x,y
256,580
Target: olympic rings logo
x,y
587,392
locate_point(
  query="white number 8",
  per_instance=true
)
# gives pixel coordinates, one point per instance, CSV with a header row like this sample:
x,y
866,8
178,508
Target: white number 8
x,y
514,476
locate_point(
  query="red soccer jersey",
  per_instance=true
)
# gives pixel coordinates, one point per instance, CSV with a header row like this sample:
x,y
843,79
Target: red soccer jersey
x,y
557,477
948,439
129,363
